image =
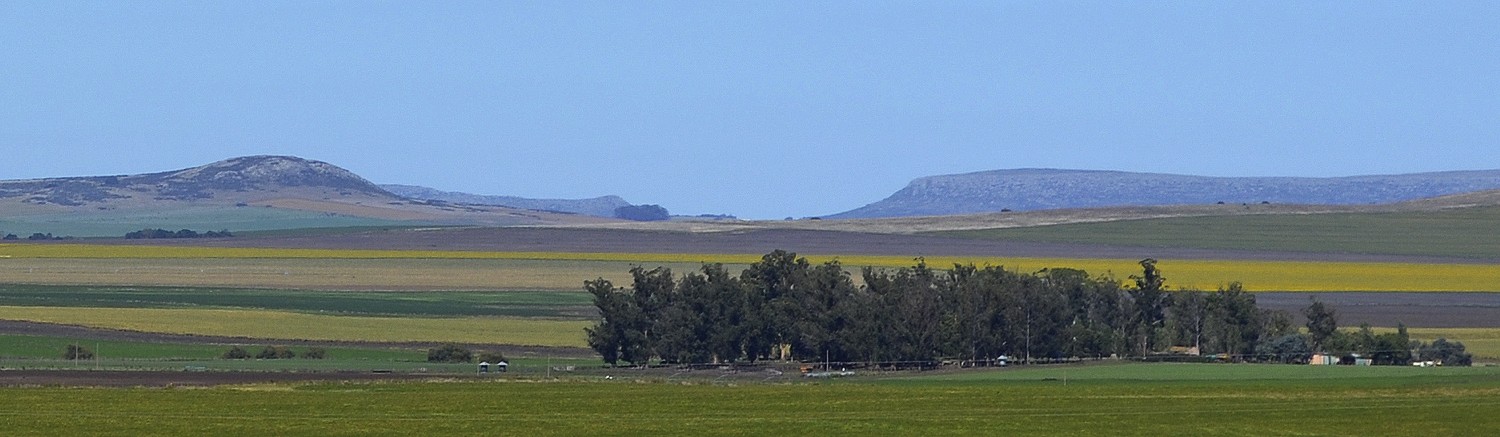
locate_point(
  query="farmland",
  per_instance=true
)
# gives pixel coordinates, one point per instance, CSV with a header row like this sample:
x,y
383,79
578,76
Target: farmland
x,y
549,304
292,326
1464,232
1122,399
376,309
535,298
114,223
428,270
204,312
44,352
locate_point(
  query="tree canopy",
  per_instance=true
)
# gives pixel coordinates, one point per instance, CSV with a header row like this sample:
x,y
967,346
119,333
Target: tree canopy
x,y
786,308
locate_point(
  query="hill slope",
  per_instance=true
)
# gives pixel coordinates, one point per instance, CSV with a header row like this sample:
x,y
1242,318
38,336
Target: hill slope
x,y
1039,189
245,193
603,206
238,179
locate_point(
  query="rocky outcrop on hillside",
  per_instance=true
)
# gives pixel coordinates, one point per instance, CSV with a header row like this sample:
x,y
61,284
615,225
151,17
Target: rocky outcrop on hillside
x,y
1039,189
599,206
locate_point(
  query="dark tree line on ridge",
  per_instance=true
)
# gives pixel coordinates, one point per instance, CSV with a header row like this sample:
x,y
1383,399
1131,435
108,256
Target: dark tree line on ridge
x,y
183,233
785,308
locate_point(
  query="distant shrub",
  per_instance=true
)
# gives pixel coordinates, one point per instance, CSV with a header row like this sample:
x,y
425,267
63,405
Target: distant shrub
x,y
1450,353
642,213
236,353
76,352
275,353
450,353
316,353
491,357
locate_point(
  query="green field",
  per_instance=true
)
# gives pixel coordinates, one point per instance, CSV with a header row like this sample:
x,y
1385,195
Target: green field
x,y
1467,232
551,304
1114,400
285,325
45,352
14,347
430,274
235,219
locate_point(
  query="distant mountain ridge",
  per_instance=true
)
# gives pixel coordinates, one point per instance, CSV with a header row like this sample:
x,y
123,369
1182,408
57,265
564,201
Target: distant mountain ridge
x,y
603,206
1039,189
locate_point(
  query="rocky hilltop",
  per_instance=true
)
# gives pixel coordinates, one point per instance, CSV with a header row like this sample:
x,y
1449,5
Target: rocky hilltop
x,y
599,206
1040,189
236,179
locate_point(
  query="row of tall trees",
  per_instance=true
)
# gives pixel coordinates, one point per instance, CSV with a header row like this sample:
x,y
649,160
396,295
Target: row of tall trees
x,y
784,307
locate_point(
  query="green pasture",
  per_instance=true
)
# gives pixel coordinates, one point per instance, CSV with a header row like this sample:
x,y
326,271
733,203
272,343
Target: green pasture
x,y
286,325
411,362
321,270
1197,373
50,347
552,304
1442,402
1466,232
115,223
45,352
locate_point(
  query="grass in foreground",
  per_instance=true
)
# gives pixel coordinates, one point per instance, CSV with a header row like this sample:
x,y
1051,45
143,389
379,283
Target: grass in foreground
x,y
1414,404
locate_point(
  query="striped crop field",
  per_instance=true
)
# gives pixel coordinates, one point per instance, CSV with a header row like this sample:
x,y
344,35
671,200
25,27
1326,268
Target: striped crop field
x,y
285,325
402,269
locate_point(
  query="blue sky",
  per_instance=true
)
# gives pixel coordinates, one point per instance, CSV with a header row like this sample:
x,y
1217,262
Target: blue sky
x,y
760,109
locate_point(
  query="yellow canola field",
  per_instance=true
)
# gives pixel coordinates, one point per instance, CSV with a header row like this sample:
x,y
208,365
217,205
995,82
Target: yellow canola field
x,y
1296,276
284,325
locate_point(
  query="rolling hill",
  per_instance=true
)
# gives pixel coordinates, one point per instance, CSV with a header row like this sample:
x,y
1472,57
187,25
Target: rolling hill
x,y
240,194
1046,189
603,206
